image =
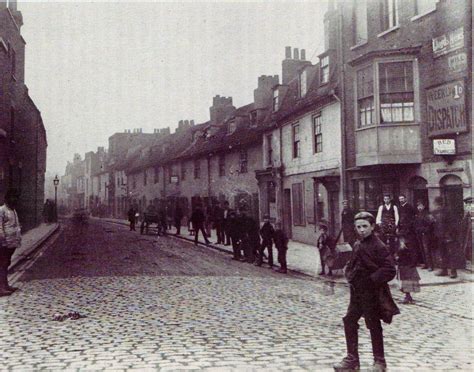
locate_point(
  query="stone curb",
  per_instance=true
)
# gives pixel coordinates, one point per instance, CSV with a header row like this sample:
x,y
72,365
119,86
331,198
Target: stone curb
x,y
322,278
34,247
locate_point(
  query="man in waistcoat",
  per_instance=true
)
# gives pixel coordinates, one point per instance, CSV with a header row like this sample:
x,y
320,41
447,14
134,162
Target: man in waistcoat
x,y
387,220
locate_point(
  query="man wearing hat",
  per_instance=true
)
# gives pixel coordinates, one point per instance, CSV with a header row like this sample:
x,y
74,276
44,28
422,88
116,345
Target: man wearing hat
x,y
266,232
466,229
10,238
324,246
368,272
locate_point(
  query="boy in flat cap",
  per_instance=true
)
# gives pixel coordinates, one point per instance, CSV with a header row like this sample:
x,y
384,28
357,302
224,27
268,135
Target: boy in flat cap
x,y
368,272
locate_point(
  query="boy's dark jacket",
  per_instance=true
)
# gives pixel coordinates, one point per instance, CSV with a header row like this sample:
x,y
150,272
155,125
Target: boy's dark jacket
x,y
370,269
280,239
267,231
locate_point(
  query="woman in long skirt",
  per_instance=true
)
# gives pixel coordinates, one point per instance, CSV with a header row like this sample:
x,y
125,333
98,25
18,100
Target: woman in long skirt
x,y
407,274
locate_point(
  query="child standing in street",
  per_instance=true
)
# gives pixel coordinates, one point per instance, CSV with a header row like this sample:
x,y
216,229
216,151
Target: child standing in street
x,y
407,274
368,273
324,246
281,244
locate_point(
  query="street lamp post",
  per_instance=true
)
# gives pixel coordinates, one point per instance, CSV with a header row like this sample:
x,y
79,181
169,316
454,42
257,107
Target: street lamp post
x,y
56,183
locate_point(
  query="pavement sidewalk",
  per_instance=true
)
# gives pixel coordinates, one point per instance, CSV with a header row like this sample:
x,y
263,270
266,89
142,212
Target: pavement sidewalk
x,y
31,240
304,258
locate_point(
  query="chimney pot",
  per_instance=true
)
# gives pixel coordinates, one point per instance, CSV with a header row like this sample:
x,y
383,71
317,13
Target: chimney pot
x,y
303,54
191,122
296,54
288,52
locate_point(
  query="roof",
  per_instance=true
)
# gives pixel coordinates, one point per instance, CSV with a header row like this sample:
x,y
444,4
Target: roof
x,y
317,94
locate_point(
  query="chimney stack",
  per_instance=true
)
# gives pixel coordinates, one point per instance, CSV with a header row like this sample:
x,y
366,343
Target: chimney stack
x,y
296,54
263,94
303,55
191,123
288,52
291,67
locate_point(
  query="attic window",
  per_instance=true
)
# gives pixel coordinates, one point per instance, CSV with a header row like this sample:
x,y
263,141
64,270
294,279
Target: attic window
x,y
303,83
253,118
275,100
231,127
324,69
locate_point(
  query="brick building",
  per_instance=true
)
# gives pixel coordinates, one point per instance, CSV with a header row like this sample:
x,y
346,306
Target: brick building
x,y
407,83
22,133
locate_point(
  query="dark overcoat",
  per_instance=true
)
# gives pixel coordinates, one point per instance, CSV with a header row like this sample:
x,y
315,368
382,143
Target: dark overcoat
x,y
370,268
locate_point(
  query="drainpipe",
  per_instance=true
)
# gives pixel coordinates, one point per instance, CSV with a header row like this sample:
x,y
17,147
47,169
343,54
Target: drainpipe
x,y
209,177
342,101
280,211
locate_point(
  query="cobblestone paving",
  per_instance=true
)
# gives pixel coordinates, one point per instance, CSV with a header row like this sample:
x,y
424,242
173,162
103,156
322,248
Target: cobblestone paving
x,y
257,321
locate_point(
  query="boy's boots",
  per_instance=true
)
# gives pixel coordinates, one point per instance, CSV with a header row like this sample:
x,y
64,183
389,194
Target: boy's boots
x,y
351,361
376,336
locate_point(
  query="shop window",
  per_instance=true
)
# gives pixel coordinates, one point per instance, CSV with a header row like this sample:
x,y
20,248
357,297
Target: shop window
x,y
360,22
369,193
389,14
296,140
396,92
298,210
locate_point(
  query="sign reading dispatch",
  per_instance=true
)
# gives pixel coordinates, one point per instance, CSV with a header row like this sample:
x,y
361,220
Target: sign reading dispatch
x,y
444,147
446,109
449,42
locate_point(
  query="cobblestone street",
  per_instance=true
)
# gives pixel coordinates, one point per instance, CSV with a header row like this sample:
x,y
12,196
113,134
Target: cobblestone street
x,y
161,303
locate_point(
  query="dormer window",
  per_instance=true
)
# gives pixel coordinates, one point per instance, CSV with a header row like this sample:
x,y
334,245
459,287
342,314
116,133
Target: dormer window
x,y
275,100
303,83
231,127
253,118
324,66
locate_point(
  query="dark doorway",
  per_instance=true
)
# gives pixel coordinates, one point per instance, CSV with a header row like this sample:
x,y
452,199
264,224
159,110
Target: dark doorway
x,y
452,192
287,213
418,191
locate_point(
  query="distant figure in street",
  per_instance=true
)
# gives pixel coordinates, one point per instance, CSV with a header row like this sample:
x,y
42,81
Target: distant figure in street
x,y
466,229
47,215
445,232
226,211
198,220
163,218
233,233
254,240
178,216
10,239
324,246
368,272
266,232
219,223
247,234
347,223
424,232
281,244
406,223
408,276
387,219
131,217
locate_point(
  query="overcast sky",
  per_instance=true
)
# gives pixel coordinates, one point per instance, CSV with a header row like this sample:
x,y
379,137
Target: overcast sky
x,y
94,69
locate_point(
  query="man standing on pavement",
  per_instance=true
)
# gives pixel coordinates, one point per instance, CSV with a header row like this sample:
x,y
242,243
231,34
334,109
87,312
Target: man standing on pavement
x,y
406,224
233,234
466,229
387,219
423,232
347,223
131,217
198,219
266,232
445,232
219,223
226,212
369,270
10,239
178,216
281,244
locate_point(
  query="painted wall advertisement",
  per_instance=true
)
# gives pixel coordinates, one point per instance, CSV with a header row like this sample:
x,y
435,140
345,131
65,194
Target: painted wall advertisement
x,y
446,109
448,43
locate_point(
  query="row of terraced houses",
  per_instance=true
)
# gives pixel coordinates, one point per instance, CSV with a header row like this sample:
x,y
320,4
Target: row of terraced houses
x,y
386,109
